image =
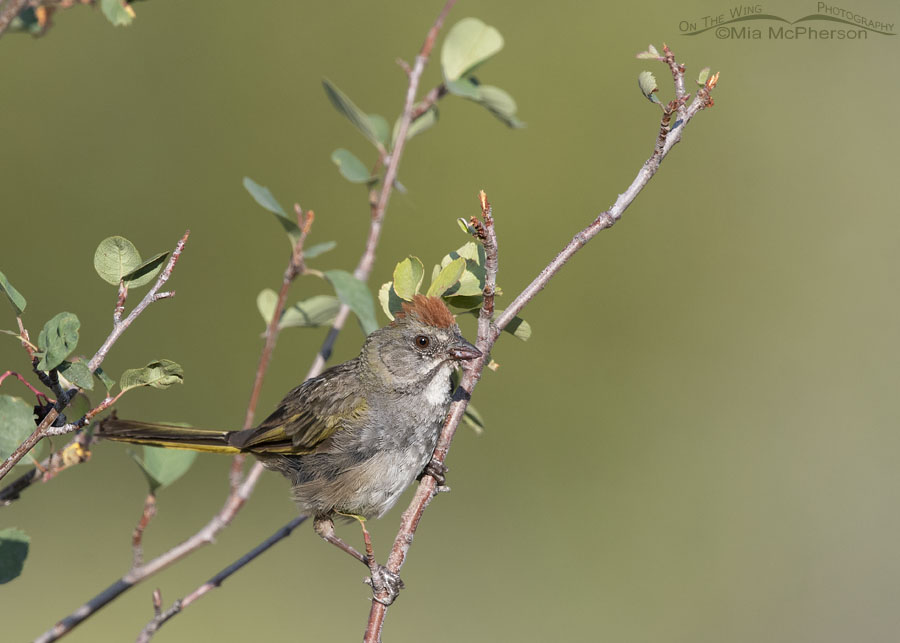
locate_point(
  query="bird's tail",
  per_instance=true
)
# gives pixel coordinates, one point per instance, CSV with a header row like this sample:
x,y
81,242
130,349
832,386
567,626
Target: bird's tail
x,y
165,435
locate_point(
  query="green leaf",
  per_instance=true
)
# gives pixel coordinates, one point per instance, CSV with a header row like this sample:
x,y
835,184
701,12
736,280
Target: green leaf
x,y
263,197
158,374
114,258
471,282
78,374
469,43
107,381
164,466
425,120
57,340
494,99
351,168
500,104
391,303
471,250
315,311
117,12
647,83
15,297
354,293
147,271
447,277
354,114
13,552
408,275
517,327
464,226
319,249
381,127
472,418
472,302
266,301
650,54
16,424
464,88
702,76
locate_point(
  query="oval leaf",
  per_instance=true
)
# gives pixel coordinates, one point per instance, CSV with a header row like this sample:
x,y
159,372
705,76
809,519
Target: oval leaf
x,y
472,418
16,423
106,380
517,327
447,277
471,282
57,340
315,311
351,167
391,303
422,123
319,249
266,301
164,466
408,275
78,374
702,76
13,552
354,114
15,297
381,127
647,84
115,257
147,271
468,44
500,104
158,374
118,12
354,293
263,197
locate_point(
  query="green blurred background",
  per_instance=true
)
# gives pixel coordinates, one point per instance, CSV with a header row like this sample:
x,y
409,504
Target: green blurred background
x,y
700,441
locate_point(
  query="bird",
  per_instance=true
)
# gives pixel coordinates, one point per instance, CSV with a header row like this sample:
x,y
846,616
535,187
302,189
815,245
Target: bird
x,y
352,439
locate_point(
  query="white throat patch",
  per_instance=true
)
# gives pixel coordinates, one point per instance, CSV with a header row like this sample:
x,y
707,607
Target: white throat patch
x,y
438,389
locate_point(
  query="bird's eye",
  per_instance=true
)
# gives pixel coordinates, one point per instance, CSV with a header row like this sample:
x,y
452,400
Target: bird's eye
x,y
422,341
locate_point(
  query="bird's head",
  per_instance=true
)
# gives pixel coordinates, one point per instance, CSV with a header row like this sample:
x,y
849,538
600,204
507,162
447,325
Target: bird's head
x,y
422,339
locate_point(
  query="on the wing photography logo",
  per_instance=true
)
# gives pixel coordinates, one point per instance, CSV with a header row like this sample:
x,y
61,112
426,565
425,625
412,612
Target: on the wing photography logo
x,y
750,22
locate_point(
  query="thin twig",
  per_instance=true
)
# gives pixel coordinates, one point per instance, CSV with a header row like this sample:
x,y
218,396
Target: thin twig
x,y
240,488
119,326
216,581
74,452
488,332
152,295
379,208
608,218
137,536
368,258
428,487
205,536
31,388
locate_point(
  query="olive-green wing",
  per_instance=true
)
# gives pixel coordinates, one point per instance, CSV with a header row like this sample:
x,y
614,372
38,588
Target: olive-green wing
x,y
307,415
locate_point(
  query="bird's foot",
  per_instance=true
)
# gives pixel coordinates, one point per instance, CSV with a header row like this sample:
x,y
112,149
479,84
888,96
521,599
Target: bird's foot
x,y
436,470
386,585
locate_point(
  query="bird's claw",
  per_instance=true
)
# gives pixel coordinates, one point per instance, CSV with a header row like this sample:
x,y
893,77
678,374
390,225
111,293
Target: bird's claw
x,y
386,585
436,470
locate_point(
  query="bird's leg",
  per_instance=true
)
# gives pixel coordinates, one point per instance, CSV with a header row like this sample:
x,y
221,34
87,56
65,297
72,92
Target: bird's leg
x,y
324,526
382,580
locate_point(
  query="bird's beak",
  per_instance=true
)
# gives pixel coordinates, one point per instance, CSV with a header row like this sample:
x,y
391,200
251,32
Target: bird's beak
x,y
463,350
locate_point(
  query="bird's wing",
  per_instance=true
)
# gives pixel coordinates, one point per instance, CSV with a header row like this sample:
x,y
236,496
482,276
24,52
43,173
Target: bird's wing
x,y
307,415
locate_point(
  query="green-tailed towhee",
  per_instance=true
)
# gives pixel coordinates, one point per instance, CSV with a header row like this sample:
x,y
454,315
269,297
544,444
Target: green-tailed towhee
x,y
353,438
